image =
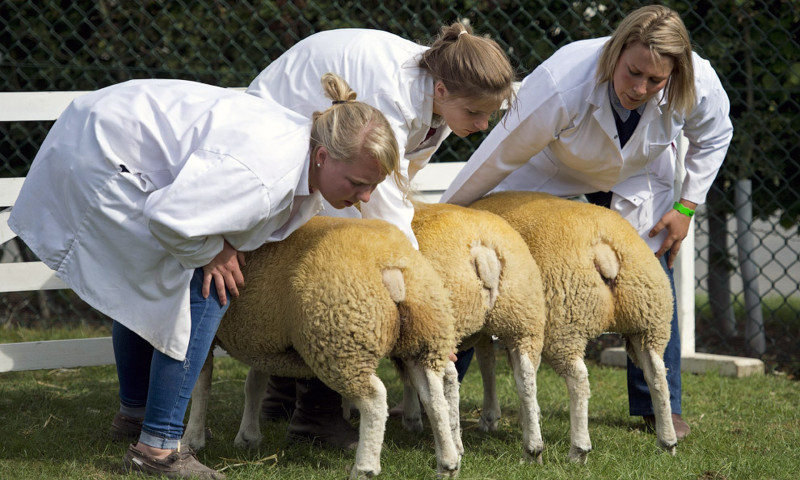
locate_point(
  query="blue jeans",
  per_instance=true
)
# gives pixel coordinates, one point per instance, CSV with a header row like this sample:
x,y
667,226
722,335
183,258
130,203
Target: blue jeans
x,y
159,384
639,402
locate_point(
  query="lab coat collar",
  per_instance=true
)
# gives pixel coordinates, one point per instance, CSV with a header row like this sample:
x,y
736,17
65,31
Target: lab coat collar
x,y
302,185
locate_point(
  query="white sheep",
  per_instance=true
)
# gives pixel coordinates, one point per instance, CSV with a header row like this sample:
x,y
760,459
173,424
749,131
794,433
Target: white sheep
x,y
599,276
495,289
329,302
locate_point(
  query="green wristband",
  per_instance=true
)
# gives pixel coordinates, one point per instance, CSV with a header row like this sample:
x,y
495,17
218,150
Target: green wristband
x,y
684,210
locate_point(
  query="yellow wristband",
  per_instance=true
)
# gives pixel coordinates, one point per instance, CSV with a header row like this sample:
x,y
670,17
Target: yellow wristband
x,y
684,210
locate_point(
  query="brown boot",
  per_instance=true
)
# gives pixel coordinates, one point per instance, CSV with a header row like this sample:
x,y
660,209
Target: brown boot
x,y
124,427
279,402
682,428
318,418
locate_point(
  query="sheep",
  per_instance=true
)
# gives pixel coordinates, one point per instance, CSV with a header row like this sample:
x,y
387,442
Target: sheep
x,y
329,302
495,289
599,275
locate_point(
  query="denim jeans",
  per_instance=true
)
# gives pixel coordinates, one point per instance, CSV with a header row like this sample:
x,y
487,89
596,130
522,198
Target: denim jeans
x,y
158,383
639,402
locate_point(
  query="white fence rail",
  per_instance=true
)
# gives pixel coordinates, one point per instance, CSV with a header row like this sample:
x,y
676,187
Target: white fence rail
x,y
430,182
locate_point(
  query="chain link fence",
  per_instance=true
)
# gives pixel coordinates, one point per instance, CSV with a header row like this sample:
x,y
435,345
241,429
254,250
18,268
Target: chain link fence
x,y
86,45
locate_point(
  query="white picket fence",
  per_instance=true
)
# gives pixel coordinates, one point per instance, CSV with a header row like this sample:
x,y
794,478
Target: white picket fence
x,y
430,182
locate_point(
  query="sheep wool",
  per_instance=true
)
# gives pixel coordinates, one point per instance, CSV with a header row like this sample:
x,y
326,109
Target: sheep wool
x,y
599,276
496,290
329,302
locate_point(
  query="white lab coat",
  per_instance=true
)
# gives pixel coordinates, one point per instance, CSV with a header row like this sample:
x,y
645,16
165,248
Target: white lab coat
x,y
383,70
137,184
562,139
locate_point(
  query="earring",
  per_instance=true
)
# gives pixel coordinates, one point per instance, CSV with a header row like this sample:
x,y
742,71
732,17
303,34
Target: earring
x,y
318,165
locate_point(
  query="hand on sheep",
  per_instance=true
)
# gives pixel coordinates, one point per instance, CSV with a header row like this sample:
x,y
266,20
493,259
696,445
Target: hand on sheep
x,y
225,270
677,225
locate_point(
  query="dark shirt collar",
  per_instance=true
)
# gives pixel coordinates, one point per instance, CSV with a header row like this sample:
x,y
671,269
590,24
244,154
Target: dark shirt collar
x,y
621,111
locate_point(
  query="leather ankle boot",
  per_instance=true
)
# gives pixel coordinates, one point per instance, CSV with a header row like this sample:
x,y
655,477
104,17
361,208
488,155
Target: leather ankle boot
x,y
280,399
318,417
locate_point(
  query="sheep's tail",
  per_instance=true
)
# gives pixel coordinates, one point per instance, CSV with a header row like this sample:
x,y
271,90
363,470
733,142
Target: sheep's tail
x,y
607,264
425,314
394,283
488,267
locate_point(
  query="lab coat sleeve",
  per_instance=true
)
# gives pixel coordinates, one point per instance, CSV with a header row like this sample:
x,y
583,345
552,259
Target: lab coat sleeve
x,y
709,131
213,195
537,117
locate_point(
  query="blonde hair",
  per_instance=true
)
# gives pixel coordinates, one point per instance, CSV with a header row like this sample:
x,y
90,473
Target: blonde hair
x,y
348,126
662,31
470,66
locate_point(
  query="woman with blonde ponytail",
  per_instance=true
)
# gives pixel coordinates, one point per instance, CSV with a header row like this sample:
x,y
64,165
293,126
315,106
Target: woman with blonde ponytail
x,y
144,194
425,92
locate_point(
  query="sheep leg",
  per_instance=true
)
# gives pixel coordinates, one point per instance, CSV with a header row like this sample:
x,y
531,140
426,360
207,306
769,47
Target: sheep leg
x,y
490,414
374,412
524,368
255,387
195,433
430,388
412,415
577,378
451,393
655,374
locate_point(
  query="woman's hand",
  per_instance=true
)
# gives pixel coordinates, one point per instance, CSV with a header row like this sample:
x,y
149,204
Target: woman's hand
x,y
677,225
225,270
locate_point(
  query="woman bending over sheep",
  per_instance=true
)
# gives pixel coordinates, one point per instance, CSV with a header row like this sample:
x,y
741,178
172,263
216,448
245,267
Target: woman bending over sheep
x,y
329,302
143,195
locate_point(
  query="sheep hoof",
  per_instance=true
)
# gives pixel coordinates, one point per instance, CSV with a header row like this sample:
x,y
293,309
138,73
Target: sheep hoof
x,y
533,455
488,423
413,424
579,455
671,449
448,472
356,474
195,442
242,441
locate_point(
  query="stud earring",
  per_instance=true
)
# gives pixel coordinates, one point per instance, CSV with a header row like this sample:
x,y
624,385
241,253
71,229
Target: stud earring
x,y
318,165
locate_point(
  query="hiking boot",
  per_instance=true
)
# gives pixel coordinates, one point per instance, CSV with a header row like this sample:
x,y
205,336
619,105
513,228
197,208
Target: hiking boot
x,y
124,427
318,417
682,428
182,463
279,402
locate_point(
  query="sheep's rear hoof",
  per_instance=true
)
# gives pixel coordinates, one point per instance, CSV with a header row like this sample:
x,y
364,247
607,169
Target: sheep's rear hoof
x,y
671,449
357,474
534,456
579,455
488,422
413,424
449,472
195,442
242,440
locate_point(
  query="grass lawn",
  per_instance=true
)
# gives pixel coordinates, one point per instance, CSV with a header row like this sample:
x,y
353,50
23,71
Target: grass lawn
x,y
53,425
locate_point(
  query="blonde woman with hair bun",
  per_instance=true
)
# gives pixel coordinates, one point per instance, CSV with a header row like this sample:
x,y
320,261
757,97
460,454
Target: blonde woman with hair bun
x,y
601,118
426,92
142,198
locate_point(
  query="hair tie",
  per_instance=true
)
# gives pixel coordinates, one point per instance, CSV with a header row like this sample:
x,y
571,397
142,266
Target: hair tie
x,y
336,102
462,32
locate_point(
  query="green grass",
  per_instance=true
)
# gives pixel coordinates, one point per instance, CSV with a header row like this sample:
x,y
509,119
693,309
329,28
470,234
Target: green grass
x,y
53,426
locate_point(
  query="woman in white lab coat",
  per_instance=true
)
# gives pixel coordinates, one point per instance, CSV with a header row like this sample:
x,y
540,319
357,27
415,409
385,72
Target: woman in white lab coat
x,y
425,92
141,197
601,117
